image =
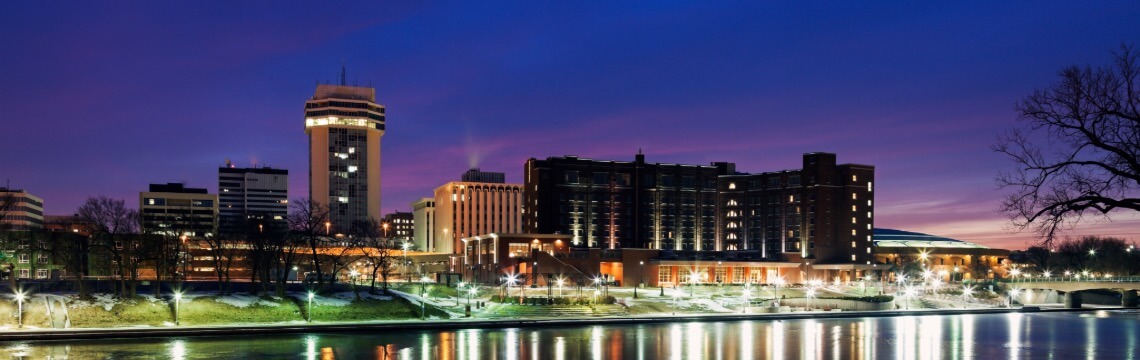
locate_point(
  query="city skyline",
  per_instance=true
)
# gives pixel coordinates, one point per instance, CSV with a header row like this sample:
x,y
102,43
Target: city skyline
x,y
920,93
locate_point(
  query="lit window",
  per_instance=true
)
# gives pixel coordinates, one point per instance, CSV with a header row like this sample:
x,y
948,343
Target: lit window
x,y
868,226
343,199
454,197
852,257
852,244
852,207
854,179
868,202
852,231
868,250
854,196
868,186
351,150
732,186
352,168
853,220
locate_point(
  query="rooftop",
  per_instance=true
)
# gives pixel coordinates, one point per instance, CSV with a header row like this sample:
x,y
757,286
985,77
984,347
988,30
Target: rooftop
x,y
899,238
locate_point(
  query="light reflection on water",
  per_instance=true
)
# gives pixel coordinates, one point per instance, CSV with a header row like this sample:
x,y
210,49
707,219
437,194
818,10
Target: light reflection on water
x,y
1033,336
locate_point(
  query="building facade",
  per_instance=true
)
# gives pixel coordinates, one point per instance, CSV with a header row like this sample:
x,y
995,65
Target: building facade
x,y
21,210
423,218
399,225
464,209
247,195
345,125
614,204
820,214
476,175
175,210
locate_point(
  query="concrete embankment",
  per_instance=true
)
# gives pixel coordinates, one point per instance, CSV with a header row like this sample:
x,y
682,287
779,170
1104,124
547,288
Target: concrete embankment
x,y
459,324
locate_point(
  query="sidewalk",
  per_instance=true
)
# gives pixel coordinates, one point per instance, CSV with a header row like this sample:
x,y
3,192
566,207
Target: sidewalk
x,y
458,324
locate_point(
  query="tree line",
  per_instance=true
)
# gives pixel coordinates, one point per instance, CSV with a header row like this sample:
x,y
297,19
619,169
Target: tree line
x,y
116,247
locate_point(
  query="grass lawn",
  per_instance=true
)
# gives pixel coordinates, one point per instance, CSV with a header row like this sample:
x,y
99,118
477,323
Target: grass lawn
x,y
207,310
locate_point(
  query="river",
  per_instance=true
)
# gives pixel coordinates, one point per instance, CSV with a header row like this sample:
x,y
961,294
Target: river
x,y
1092,335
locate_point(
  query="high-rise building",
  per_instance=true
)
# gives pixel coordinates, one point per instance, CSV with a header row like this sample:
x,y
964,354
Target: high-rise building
x,y
20,210
175,210
246,195
400,225
464,209
345,124
423,215
823,211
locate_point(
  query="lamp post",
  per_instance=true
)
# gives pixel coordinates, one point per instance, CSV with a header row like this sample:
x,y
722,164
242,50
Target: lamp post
x,y
640,277
423,297
177,303
352,276
459,291
328,228
560,281
20,308
744,296
310,310
693,278
405,271
810,295
534,274
907,295
778,283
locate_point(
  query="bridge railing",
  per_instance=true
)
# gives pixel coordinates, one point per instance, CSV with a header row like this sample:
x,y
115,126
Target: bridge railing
x,y
1041,279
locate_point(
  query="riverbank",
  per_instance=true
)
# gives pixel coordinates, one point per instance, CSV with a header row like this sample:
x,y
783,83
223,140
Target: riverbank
x,y
459,324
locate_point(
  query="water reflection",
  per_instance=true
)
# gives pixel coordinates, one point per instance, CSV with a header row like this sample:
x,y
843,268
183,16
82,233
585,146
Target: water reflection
x,y
1035,336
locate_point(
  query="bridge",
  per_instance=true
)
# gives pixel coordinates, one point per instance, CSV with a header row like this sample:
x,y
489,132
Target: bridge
x,y
1073,285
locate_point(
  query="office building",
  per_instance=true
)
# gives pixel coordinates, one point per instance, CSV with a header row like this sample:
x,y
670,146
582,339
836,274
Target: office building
x,y
464,209
175,210
252,195
423,218
21,210
344,125
398,225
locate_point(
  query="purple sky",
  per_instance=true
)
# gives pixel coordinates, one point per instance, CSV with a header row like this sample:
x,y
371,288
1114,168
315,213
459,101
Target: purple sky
x,y
104,98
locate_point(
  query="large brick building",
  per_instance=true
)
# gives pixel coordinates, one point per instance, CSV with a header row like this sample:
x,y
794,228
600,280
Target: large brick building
x,y
821,213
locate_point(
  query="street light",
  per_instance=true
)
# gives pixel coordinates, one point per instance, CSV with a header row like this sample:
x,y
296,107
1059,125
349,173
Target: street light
x,y
778,282
423,297
676,295
810,295
328,228
510,282
405,274
693,278
640,277
460,292
1013,295
177,302
560,281
908,294
20,308
310,311
745,296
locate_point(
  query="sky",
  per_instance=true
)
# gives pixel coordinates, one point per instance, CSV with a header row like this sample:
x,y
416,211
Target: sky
x,y
103,98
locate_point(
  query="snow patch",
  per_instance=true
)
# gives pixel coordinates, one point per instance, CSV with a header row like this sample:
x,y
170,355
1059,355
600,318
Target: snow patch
x,y
240,301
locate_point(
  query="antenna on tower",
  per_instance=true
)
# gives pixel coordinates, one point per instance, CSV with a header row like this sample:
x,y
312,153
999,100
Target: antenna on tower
x,y
342,73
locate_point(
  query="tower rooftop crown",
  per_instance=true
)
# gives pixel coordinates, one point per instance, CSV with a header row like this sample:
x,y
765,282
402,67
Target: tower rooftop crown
x,y
329,91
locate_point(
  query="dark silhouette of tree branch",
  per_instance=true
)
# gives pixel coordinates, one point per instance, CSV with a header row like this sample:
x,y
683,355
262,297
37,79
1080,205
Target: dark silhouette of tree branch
x,y
1079,151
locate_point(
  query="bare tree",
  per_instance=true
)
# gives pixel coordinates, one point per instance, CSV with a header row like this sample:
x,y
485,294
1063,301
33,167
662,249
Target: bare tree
x,y
111,224
310,220
379,251
1079,153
